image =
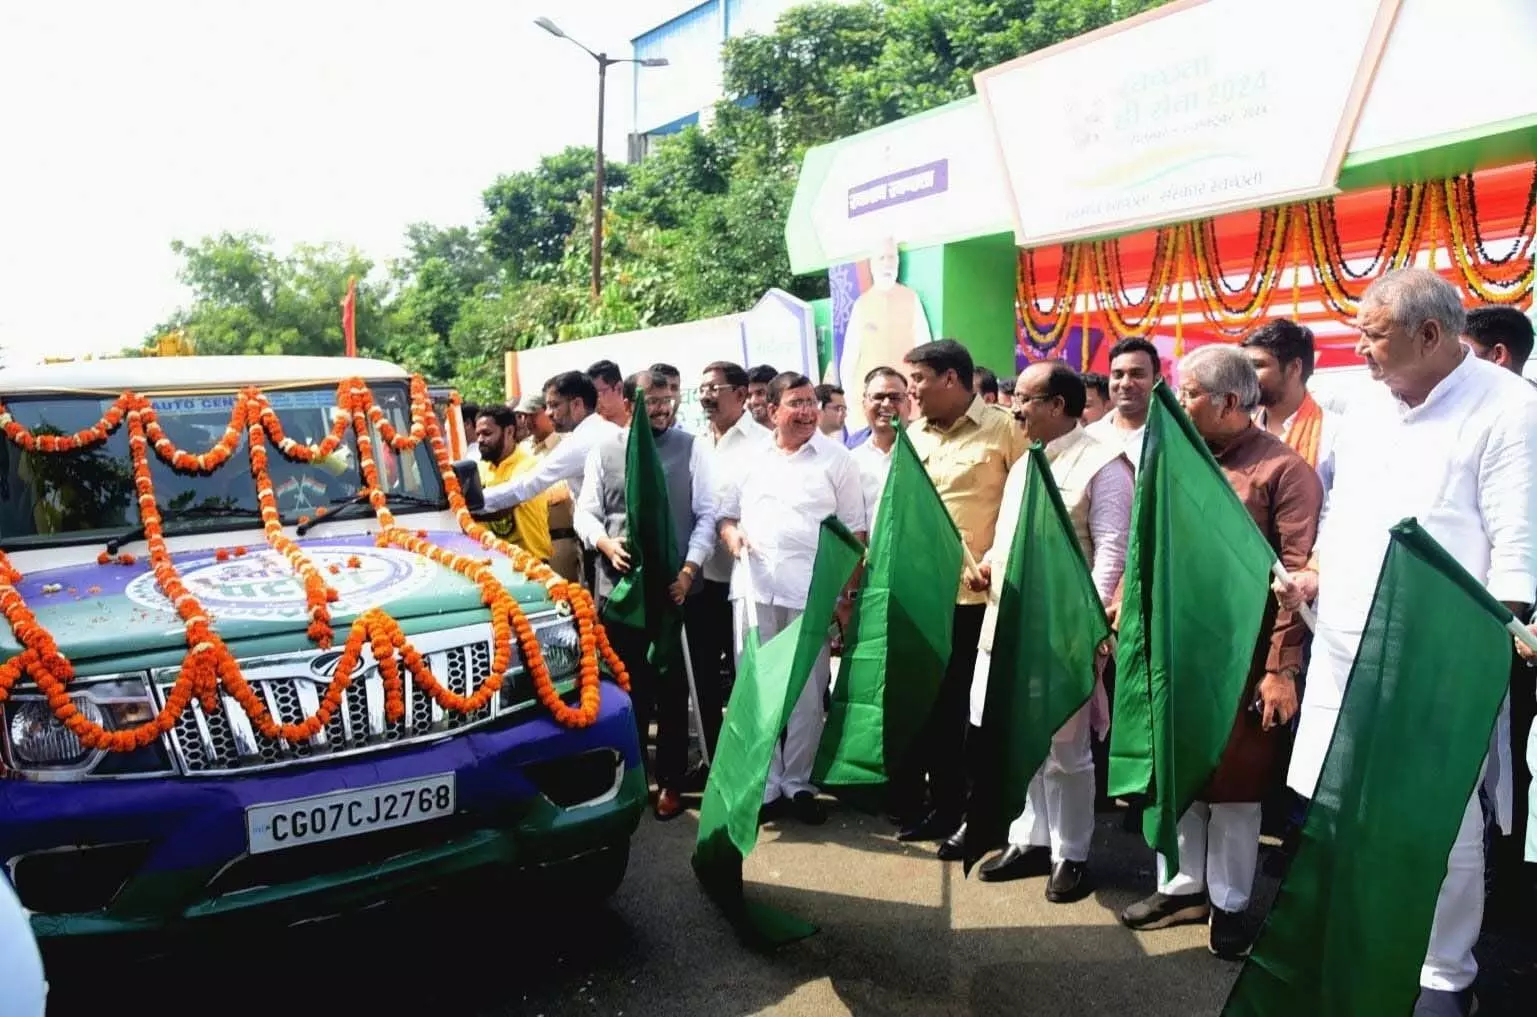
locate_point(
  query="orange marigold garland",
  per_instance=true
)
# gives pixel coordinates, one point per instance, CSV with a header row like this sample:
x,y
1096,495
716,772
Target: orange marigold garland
x,y
209,664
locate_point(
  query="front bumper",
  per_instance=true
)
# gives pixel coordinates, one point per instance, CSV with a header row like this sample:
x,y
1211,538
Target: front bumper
x,y
163,853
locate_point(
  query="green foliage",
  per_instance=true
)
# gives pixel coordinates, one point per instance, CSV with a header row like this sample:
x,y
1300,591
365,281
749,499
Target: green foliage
x,y
695,230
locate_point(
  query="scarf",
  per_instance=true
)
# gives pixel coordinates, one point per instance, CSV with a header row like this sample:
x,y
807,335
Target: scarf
x,y
1307,427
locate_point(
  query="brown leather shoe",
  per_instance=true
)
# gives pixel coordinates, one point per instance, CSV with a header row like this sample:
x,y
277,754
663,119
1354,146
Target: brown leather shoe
x,y
669,805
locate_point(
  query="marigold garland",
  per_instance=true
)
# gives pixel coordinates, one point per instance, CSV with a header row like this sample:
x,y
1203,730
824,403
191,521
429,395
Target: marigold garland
x,y
209,665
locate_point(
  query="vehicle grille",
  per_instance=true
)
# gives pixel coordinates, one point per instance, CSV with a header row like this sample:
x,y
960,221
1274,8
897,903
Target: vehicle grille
x,y
226,740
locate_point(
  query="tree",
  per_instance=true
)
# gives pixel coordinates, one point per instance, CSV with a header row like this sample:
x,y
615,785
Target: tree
x,y
247,299
529,215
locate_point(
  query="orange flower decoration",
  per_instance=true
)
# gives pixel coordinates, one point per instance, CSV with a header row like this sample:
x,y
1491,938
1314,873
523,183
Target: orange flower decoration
x,y
210,666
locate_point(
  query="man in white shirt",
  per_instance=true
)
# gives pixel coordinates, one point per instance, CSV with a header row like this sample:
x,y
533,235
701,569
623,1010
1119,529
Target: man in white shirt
x,y
1451,441
770,519
1282,354
1134,370
732,440
885,403
1052,835
570,399
601,522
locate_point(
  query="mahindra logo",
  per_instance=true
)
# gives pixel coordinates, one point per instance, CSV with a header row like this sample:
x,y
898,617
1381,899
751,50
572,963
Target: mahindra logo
x,y
323,665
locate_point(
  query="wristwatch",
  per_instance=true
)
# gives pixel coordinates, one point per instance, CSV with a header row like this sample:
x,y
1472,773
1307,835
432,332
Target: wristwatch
x,y
691,569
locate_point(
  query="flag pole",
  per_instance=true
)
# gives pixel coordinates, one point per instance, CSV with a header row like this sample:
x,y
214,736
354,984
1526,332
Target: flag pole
x,y
693,696
1308,617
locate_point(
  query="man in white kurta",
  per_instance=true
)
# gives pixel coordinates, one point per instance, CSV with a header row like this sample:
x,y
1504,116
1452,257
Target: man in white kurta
x,y
1451,441
1052,835
770,519
23,991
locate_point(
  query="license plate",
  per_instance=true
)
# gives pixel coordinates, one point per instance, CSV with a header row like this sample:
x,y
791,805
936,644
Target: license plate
x,y
339,814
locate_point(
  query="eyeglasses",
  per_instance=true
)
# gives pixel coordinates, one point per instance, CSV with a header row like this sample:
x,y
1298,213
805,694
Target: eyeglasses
x,y
711,389
800,404
660,402
887,397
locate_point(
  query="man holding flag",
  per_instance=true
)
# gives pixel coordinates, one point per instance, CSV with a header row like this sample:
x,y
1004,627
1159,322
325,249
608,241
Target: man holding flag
x,y
771,522
1218,833
967,447
1095,482
1449,440
645,494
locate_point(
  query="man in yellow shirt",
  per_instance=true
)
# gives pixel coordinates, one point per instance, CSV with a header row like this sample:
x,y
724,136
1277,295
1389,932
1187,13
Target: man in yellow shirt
x,y
526,524
967,447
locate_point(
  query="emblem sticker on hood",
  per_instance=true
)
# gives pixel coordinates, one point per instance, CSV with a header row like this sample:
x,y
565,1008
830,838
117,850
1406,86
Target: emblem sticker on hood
x,y
262,585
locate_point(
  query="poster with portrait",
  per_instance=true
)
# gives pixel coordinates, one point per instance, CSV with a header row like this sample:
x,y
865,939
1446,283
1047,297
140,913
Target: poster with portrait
x,y
876,321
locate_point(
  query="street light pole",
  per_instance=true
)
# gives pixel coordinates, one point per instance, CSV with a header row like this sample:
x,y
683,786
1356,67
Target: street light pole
x,y
598,185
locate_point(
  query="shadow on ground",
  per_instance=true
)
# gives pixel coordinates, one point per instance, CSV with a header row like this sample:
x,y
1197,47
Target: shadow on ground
x,y
901,934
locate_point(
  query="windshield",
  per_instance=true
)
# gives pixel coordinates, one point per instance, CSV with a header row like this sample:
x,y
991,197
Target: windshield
x,y
84,496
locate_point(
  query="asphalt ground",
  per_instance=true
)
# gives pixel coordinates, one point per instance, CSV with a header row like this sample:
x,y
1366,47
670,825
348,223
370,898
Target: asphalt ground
x,y
900,934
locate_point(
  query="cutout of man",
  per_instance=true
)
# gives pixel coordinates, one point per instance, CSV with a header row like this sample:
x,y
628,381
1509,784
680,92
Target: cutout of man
x,y
886,322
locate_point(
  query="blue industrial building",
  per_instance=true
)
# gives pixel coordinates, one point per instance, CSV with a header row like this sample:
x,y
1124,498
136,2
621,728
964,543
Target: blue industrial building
x,y
666,100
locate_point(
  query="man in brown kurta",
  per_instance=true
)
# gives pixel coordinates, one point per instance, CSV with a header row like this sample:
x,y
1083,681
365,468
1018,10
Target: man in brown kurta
x,y
1219,835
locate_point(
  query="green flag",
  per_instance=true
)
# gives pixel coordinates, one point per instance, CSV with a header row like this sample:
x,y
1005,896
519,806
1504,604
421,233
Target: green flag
x,y
1050,625
1189,622
640,598
769,680
898,642
1348,932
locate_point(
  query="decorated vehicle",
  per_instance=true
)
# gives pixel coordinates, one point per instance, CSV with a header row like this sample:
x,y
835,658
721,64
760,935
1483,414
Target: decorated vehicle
x,y
258,657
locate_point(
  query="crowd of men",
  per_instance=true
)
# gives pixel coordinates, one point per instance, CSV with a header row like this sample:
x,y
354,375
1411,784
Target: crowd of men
x,y
1447,434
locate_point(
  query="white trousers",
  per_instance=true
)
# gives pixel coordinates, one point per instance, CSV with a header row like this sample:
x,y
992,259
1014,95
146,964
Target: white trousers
x,y
1449,962
1218,850
1059,808
796,753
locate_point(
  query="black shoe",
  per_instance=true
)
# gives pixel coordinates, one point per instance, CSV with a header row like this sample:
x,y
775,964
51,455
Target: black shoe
x,y
1230,938
1016,862
953,847
770,811
1445,1003
1162,910
1067,882
805,807
933,826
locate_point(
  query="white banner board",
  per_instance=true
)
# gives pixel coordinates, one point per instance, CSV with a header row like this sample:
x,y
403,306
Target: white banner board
x,y
780,330
1167,117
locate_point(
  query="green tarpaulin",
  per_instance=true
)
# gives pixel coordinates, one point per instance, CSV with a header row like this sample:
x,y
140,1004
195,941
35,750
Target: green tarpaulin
x,y
1193,599
1348,933
769,680
1050,625
898,642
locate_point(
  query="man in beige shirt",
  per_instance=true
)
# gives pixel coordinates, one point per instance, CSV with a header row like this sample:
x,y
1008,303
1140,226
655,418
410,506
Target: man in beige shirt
x,y
967,447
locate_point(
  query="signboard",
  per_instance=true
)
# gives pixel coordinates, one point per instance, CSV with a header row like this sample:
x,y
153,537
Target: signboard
x,y
780,330
925,180
1410,114
1197,108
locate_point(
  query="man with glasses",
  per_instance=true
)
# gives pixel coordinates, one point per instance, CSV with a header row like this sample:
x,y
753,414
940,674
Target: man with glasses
x,y
1052,835
731,440
835,410
601,518
770,519
885,406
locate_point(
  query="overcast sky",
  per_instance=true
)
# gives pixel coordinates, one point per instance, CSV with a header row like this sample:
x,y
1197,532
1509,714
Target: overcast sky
x,y
124,126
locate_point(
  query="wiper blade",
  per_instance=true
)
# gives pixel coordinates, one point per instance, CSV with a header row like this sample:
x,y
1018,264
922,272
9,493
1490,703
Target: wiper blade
x,y
343,512
196,512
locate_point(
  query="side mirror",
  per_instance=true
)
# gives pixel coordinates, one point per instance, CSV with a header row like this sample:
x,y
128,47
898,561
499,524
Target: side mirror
x,y
468,472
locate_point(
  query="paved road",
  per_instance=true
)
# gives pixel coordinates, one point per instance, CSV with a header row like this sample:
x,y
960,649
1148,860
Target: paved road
x,y
901,934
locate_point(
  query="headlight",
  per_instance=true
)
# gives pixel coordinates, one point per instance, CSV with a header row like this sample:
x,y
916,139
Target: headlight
x,y
561,646
39,745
